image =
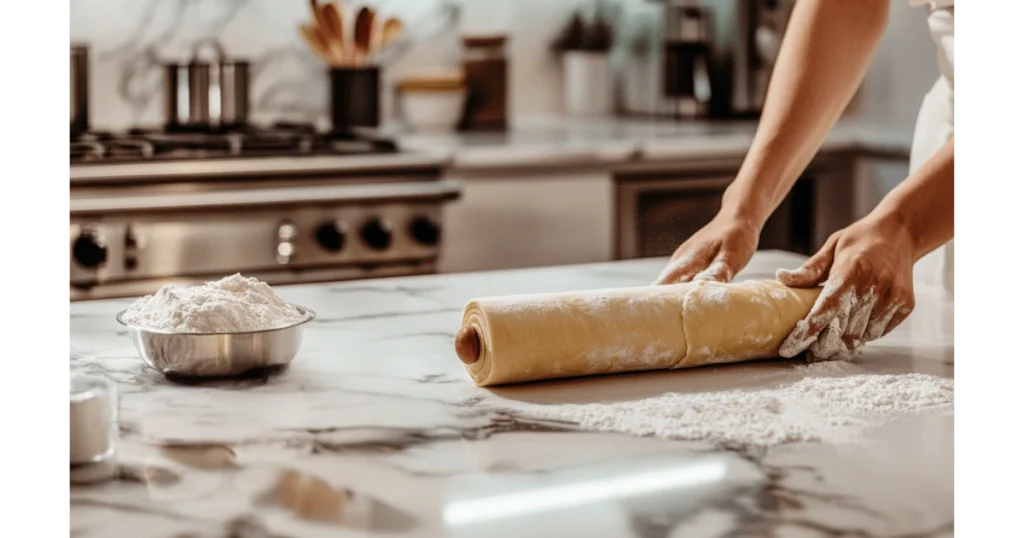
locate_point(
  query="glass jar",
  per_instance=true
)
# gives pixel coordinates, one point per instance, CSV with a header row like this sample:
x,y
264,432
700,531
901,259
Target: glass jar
x,y
485,67
94,428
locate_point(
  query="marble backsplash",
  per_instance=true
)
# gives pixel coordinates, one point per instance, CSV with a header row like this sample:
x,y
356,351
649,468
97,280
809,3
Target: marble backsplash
x,y
129,39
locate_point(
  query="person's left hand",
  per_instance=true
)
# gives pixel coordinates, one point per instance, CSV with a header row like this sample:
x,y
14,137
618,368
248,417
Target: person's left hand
x,y
868,292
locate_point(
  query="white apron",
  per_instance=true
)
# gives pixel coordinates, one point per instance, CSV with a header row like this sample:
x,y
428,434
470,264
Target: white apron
x,y
934,128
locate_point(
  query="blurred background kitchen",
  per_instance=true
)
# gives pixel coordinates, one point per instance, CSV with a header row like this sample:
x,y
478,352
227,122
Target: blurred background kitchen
x,y
305,141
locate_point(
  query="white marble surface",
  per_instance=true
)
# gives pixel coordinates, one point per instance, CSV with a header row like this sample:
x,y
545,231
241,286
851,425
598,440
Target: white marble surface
x,y
553,142
378,404
614,141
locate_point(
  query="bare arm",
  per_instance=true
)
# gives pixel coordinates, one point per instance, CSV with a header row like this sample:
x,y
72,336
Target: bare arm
x,y
923,203
868,266
823,58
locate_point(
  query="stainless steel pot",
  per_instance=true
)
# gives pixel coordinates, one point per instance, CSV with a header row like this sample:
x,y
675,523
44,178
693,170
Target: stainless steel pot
x,y
202,94
79,89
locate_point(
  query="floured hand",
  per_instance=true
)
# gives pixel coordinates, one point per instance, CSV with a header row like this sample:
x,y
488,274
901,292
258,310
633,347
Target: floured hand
x,y
869,290
716,252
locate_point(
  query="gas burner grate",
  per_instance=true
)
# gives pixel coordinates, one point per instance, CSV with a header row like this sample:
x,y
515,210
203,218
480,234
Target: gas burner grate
x,y
86,151
277,140
101,146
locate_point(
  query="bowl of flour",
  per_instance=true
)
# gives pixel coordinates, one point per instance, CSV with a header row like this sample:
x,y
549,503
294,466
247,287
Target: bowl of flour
x,y
221,328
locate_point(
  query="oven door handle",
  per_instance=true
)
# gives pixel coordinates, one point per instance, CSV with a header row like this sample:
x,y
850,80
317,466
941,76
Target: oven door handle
x,y
443,190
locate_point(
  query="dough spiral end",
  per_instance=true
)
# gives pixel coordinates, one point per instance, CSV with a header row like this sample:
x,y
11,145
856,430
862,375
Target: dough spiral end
x,y
474,322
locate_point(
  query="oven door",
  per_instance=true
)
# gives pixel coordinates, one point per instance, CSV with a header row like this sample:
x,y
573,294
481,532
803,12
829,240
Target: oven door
x,y
654,215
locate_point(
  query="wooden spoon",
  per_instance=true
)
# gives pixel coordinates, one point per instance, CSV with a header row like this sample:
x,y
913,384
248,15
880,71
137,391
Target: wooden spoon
x,y
318,16
334,28
390,32
363,33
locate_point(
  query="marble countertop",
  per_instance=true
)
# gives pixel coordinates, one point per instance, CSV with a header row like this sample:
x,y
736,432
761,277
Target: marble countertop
x,y
530,143
615,141
376,409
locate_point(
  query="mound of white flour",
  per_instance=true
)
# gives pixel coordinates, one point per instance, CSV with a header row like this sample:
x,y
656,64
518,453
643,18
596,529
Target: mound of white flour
x,y
231,304
825,405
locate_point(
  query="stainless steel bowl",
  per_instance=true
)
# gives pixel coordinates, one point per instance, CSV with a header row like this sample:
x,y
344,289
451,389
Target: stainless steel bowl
x,y
217,354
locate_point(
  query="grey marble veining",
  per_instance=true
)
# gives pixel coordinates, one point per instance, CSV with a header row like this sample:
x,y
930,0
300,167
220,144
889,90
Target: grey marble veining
x,y
130,40
377,410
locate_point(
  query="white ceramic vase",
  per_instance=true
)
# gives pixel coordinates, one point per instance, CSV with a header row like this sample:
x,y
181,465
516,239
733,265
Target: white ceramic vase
x,y
586,83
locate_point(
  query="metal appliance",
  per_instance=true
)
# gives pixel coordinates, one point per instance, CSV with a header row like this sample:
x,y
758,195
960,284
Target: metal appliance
x,y
747,58
286,204
743,39
206,95
79,89
660,205
686,57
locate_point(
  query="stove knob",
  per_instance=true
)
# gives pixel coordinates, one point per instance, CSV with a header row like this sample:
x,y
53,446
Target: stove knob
x,y
90,250
331,236
377,234
425,231
131,240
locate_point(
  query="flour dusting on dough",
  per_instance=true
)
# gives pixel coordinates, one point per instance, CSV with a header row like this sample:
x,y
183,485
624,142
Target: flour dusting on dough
x,y
751,340
612,348
628,357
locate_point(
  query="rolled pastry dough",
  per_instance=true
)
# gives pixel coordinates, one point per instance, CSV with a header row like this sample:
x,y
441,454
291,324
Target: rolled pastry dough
x,y
554,335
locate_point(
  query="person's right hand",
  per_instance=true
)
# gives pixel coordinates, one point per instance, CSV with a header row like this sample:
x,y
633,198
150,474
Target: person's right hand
x,y
716,252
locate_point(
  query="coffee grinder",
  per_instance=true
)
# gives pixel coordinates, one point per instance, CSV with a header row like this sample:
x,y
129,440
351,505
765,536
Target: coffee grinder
x,y
718,55
686,59
759,27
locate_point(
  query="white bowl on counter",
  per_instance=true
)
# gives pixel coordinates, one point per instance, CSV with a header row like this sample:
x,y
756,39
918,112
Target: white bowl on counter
x,y
434,103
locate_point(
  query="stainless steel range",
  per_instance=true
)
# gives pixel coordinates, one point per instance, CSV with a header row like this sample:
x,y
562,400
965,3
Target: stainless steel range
x,y
285,204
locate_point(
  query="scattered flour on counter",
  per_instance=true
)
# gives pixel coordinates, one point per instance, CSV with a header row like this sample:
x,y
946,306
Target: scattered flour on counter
x,y
231,304
828,404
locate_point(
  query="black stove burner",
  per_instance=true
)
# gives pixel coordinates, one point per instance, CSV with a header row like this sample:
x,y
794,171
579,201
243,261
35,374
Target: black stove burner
x,y
278,140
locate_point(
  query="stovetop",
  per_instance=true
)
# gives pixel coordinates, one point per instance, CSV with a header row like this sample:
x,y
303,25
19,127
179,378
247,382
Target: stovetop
x,y
277,140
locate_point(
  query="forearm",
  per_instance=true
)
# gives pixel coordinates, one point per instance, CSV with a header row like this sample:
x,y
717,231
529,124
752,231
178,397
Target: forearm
x,y
823,58
922,205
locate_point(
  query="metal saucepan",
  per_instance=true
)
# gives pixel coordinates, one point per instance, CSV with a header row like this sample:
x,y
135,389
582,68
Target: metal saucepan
x,y
206,94
79,90
217,354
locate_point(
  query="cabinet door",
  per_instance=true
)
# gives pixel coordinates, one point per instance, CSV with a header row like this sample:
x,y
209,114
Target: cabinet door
x,y
504,222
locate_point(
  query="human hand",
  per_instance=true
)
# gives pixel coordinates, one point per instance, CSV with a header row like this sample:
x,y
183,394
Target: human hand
x,y
869,267
717,251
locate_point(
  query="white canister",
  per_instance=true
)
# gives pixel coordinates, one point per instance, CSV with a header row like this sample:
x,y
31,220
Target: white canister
x,y
94,427
586,83
433,102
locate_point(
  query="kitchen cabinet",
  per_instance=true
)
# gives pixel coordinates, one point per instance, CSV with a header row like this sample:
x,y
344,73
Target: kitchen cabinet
x,y
515,219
